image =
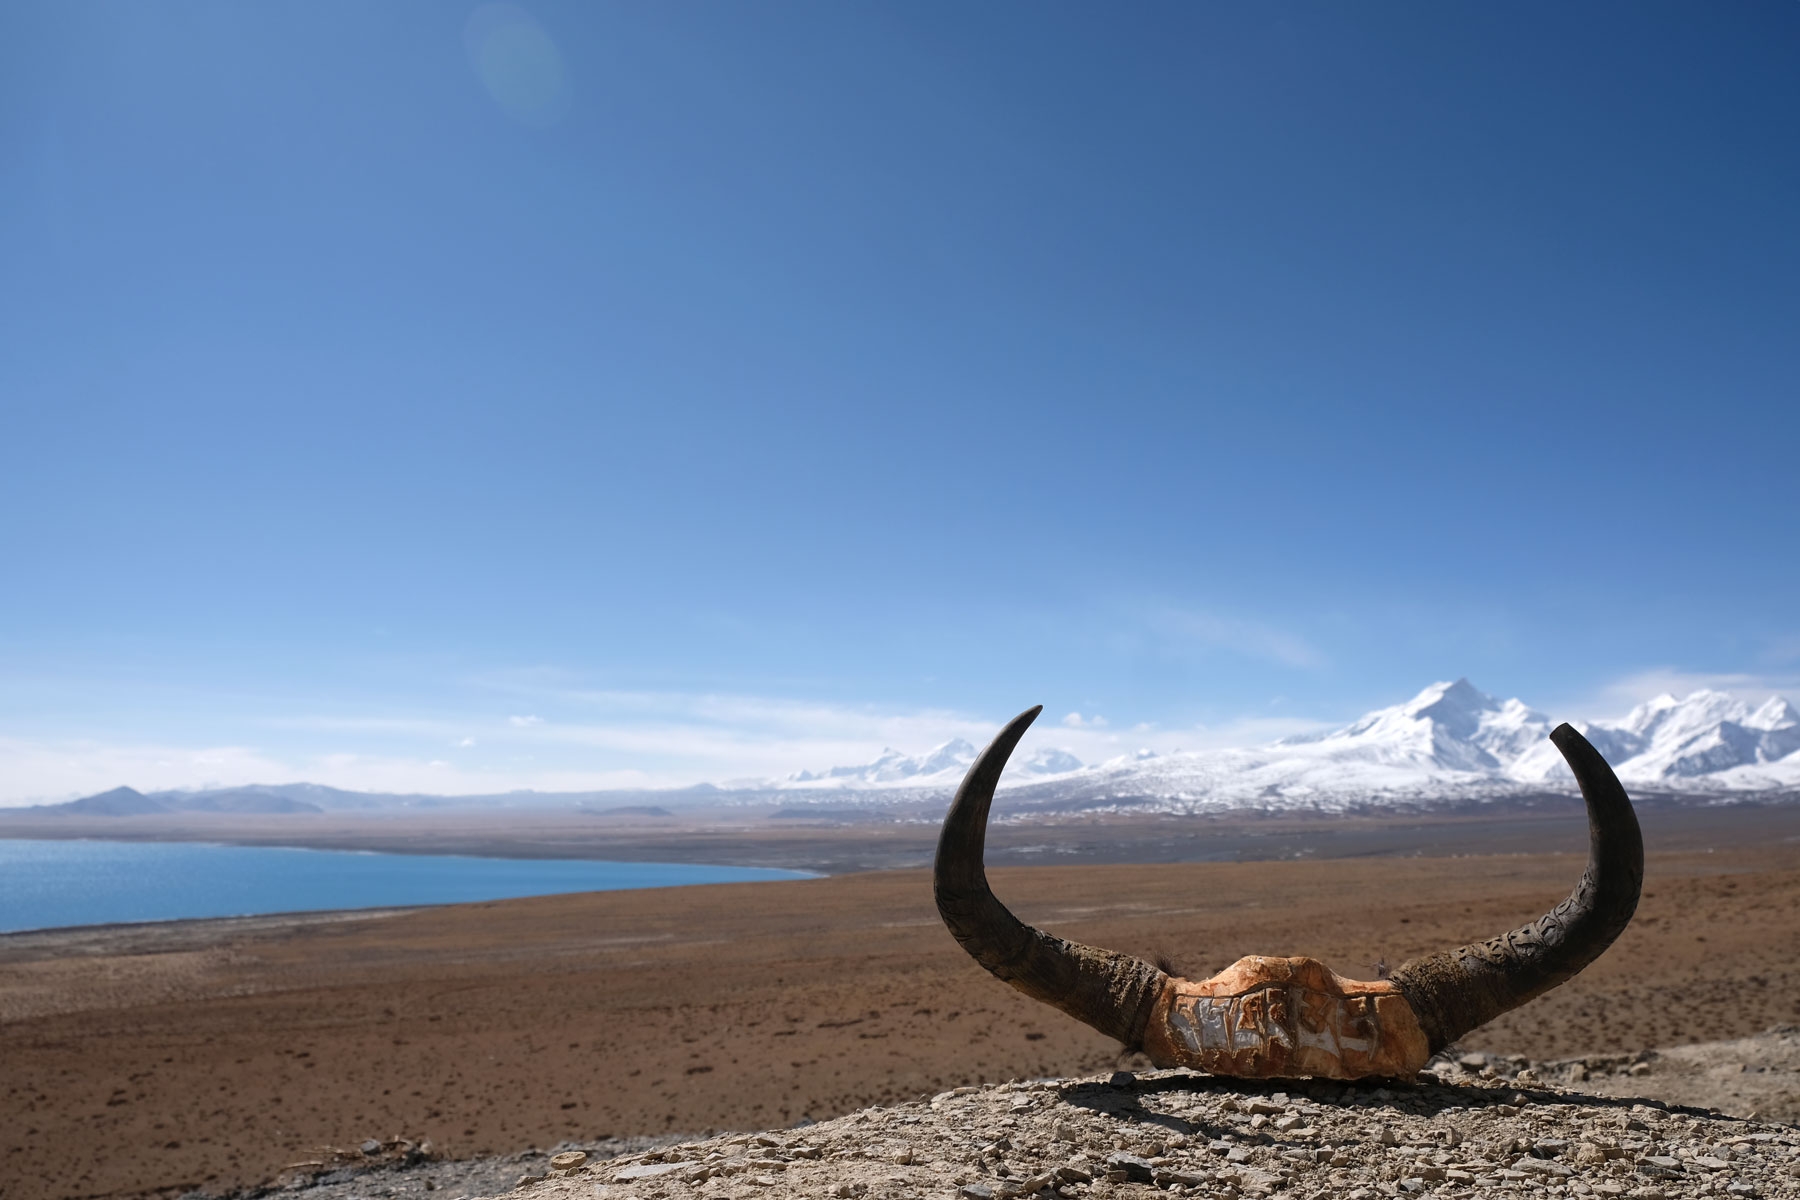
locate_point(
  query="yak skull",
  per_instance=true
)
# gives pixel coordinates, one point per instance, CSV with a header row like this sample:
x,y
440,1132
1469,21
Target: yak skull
x,y
1281,1017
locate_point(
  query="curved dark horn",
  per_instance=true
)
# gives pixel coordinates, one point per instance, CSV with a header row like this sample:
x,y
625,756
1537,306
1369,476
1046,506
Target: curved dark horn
x,y
1457,990
1112,992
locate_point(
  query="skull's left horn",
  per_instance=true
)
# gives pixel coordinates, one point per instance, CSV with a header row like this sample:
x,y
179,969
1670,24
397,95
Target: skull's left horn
x,y
1115,993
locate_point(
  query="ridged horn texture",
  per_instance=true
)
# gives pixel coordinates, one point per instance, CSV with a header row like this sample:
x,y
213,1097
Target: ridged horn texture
x,y
1112,992
1457,990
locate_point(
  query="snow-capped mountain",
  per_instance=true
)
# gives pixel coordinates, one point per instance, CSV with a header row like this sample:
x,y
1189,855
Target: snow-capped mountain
x,y
1448,726
1710,738
1450,743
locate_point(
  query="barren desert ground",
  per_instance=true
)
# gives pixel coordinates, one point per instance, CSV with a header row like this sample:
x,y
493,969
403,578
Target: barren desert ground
x,y
160,1058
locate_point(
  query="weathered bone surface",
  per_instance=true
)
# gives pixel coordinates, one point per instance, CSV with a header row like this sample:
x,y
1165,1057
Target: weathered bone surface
x,y
1281,1017
1271,1017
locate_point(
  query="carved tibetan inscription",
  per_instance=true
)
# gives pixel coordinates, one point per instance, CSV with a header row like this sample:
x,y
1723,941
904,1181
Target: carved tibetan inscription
x,y
1263,1017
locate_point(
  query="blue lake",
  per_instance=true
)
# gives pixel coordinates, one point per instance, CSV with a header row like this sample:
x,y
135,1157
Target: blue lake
x,y
45,884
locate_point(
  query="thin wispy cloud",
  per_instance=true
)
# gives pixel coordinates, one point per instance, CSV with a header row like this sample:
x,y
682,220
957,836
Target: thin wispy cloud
x,y
1251,731
371,725
57,769
644,719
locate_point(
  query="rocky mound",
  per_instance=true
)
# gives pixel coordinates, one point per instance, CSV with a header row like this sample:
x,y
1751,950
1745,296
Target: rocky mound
x,y
1471,1123
1201,1135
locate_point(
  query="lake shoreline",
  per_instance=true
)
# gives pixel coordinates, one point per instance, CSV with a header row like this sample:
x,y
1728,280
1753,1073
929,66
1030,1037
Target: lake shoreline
x,y
733,838
874,841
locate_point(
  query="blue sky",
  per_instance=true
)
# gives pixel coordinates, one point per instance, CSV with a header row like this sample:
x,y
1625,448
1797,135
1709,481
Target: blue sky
x,y
451,397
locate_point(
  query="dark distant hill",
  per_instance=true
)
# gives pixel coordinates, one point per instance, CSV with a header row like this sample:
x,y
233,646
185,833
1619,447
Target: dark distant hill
x,y
120,802
281,798
129,802
290,798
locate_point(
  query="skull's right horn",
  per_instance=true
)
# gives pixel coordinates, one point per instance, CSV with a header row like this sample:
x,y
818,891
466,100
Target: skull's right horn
x,y
1457,990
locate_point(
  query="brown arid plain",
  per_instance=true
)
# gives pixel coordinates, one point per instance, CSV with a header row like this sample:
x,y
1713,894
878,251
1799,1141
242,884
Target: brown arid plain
x,y
164,1058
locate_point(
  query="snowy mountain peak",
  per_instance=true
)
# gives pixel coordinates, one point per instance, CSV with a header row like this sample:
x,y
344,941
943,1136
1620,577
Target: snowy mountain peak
x,y
1646,715
955,753
1448,726
1708,735
1051,761
1775,713
1458,702
1655,718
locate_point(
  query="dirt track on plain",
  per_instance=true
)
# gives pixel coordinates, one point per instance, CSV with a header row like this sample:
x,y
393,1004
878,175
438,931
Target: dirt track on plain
x,y
212,1054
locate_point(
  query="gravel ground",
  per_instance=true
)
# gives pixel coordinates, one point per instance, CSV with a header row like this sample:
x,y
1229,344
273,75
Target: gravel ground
x,y
1472,1125
1745,1077
1204,1136
396,1167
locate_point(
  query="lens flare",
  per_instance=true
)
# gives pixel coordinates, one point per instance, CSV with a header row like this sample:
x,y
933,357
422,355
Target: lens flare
x,y
518,64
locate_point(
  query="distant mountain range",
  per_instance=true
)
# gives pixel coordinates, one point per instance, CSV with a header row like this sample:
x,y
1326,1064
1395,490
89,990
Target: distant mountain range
x,y
1451,739
129,802
1450,744
317,798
